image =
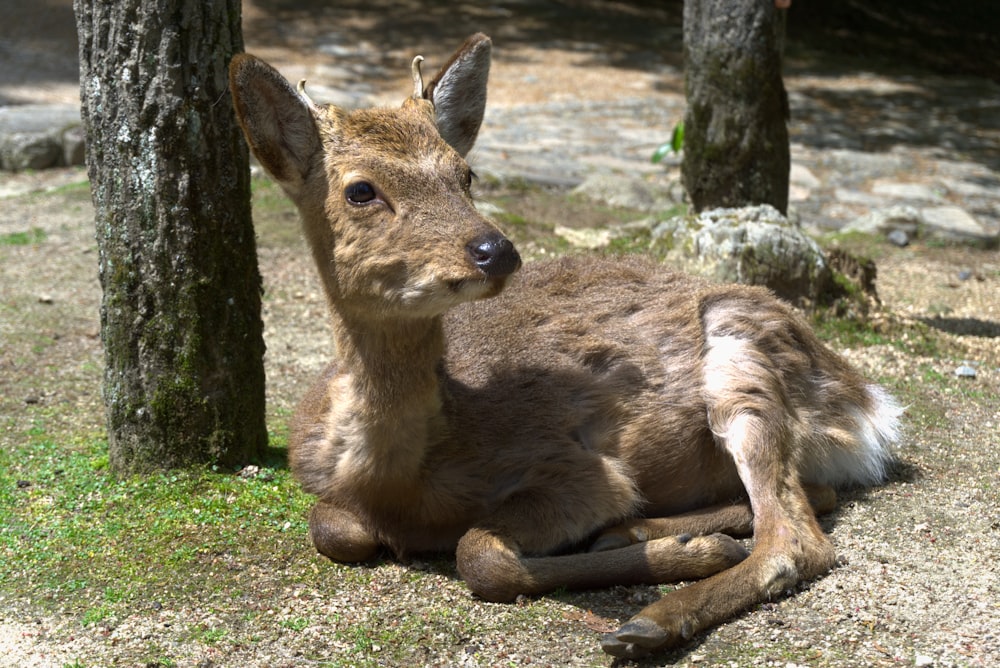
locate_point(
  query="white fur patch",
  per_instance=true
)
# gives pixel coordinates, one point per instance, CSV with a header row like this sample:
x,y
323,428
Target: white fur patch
x,y
859,455
850,448
724,355
877,431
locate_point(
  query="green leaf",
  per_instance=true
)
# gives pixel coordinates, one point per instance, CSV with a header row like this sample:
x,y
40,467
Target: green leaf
x,y
677,138
660,152
675,144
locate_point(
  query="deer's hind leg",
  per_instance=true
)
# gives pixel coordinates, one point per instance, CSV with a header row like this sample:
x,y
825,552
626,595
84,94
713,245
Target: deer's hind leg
x,y
751,416
733,519
789,547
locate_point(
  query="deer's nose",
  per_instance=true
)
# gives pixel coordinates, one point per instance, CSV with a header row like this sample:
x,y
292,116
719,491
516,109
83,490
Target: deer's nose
x,y
494,255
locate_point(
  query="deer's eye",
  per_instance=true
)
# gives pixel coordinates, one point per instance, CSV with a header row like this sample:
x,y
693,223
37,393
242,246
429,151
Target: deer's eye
x,y
360,192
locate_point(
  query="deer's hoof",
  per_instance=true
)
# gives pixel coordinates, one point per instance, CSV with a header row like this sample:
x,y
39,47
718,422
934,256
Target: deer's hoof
x,y
636,638
732,550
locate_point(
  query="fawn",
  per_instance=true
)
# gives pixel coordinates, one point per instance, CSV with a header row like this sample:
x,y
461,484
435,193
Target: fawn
x,y
593,422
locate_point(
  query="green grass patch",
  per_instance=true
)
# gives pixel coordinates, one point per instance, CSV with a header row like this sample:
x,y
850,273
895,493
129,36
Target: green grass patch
x,y
847,332
297,624
276,220
71,533
32,237
852,331
861,244
81,187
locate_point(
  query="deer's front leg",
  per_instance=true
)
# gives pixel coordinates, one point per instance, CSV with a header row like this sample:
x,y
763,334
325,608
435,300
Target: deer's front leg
x,y
506,554
340,535
496,570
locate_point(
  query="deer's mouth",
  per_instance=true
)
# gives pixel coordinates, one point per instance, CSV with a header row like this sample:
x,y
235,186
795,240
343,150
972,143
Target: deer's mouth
x,y
480,287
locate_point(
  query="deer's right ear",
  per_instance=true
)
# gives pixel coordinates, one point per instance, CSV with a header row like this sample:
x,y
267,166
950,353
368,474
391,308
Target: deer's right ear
x,y
277,120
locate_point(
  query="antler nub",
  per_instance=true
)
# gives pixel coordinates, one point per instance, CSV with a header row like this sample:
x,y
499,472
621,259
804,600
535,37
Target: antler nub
x,y
418,82
301,88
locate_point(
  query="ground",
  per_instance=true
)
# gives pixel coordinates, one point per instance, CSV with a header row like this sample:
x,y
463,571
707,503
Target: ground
x,y
215,569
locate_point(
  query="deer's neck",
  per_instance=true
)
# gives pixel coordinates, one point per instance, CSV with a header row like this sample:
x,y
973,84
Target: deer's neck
x,y
387,408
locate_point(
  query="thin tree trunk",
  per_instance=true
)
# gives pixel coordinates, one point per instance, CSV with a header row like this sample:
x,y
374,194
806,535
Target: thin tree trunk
x,y
735,138
180,316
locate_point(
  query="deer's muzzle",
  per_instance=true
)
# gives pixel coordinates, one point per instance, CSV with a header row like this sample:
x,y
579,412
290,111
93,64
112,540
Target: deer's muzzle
x,y
494,255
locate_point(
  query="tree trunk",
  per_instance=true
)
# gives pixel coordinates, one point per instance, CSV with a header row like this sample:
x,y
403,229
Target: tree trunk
x,y
735,138
169,175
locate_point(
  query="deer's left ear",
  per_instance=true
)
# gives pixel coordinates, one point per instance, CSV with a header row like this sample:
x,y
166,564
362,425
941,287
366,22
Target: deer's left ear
x,y
458,93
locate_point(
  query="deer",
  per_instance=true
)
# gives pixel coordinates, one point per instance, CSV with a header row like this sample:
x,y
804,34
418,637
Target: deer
x,y
574,423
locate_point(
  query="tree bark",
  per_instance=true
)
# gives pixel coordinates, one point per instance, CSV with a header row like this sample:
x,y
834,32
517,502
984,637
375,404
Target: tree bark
x,y
170,181
735,138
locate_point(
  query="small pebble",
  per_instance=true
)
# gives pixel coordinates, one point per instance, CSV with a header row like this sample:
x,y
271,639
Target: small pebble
x,y
899,238
249,471
45,299
964,275
923,661
966,370
32,399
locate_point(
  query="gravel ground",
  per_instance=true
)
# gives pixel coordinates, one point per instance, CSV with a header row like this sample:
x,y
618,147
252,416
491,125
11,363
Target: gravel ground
x,y
918,583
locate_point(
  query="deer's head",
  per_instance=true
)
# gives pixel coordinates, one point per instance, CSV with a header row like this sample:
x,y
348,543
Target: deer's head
x,y
383,193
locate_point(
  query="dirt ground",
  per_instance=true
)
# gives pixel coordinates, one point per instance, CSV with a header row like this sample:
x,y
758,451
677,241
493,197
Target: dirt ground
x,y
919,581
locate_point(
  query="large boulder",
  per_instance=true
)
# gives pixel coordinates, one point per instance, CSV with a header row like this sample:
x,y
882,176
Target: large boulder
x,y
750,245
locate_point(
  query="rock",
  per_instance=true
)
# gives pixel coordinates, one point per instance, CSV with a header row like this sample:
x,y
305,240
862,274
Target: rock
x,y
859,197
248,471
966,370
21,150
32,136
801,176
590,238
626,192
73,146
945,223
953,223
488,209
801,183
751,245
38,118
898,238
906,191
883,221
985,187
